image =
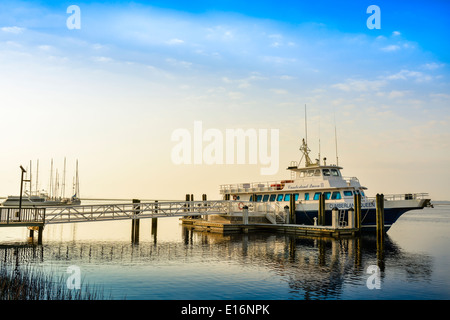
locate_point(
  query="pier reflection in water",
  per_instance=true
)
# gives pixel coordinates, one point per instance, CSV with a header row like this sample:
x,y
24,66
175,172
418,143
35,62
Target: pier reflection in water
x,y
174,262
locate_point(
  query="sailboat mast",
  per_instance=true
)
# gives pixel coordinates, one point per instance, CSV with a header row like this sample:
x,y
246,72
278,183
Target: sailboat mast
x,y
37,178
51,180
77,182
64,180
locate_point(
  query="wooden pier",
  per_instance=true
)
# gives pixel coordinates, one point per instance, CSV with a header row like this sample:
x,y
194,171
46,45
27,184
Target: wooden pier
x,y
207,215
225,228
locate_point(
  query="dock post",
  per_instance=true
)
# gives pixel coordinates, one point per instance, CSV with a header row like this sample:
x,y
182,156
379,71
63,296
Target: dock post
x,y
292,218
287,214
351,218
357,207
245,215
40,231
135,223
380,216
380,230
335,218
321,218
155,221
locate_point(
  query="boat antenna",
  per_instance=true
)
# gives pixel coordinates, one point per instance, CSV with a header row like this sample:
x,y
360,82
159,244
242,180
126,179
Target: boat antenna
x,y
306,127
319,141
335,140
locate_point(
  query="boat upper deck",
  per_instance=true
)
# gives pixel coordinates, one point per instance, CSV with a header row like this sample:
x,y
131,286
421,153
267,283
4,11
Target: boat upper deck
x,y
315,177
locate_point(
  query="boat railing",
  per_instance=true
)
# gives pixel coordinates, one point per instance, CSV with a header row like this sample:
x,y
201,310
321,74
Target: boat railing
x,y
254,186
349,180
404,196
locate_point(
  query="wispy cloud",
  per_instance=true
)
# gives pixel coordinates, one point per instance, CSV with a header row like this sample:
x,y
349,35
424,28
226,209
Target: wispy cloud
x,y
360,85
14,29
391,48
175,41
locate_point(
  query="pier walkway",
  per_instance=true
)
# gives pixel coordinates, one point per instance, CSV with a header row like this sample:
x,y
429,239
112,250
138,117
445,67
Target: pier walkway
x,y
39,216
237,216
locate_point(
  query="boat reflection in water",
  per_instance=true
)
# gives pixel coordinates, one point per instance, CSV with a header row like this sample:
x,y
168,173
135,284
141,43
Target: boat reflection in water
x,y
236,266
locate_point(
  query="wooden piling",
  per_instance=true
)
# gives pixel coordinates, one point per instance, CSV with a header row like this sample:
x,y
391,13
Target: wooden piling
x,y
292,218
135,223
321,214
380,215
155,220
245,218
357,208
40,231
380,230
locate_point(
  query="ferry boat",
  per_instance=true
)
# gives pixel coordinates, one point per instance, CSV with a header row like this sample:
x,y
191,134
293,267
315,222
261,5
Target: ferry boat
x,y
308,182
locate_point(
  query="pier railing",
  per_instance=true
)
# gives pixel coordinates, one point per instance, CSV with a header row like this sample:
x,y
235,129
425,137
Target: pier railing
x,y
12,215
108,212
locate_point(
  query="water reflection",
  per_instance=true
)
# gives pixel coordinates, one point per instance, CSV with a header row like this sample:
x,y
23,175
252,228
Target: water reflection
x,y
311,267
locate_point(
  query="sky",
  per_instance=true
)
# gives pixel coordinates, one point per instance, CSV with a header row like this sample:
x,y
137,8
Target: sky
x,y
113,91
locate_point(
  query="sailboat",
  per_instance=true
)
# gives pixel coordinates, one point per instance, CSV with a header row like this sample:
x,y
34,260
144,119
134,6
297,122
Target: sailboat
x,y
41,198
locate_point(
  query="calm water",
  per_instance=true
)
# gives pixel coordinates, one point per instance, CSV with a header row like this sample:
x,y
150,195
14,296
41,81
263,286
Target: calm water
x,y
176,263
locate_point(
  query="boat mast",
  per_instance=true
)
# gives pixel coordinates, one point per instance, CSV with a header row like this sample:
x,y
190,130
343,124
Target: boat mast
x,y
77,182
37,178
51,180
335,140
304,147
64,180
306,128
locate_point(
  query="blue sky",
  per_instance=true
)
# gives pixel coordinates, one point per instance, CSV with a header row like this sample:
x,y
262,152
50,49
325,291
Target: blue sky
x,y
137,71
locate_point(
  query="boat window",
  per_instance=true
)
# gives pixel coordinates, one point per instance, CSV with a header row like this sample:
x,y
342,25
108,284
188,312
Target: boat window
x,y
295,196
356,192
302,174
273,197
265,198
327,195
317,195
251,198
287,197
280,197
362,193
306,196
310,173
258,198
326,172
317,172
335,172
336,195
348,193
